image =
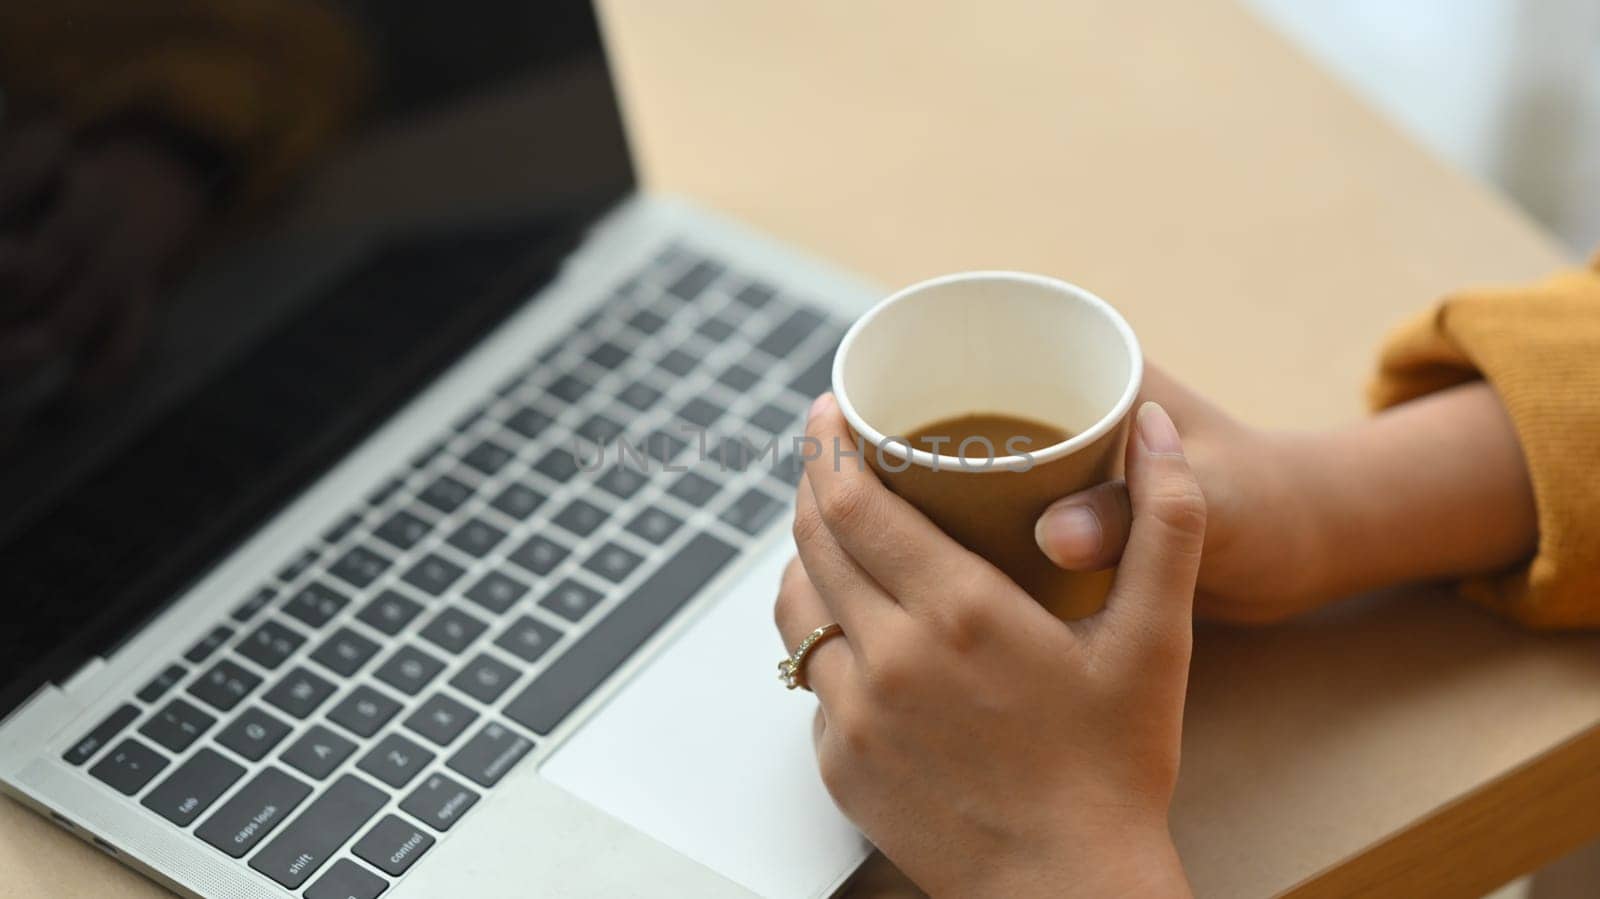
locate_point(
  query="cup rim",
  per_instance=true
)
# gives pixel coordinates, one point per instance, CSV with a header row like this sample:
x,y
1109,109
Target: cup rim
x,y
925,459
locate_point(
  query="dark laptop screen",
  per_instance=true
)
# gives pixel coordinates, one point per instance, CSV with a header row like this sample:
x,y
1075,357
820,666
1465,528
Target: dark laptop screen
x,y
234,237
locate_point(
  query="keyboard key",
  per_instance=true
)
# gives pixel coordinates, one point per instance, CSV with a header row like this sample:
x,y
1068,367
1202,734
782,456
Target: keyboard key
x,y
663,445
347,880
738,378
581,517
161,683
270,645
299,693
252,607
409,670
103,733
701,412
529,422
716,329
571,600
393,845
466,421
433,574
318,752
359,566
342,529
496,592
224,685
791,333
484,678
177,725
364,711
772,418
568,389
389,612
445,494
540,555
316,604
440,719
752,511
327,823
694,489
815,379
253,812
453,630
608,355
490,754
693,282
402,530
208,644
613,562
488,457
558,465
639,395
755,295
599,429
253,734
789,470
575,674
191,789
518,501
438,802
425,458
385,492
647,321
528,638
476,538
622,481
655,525
677,363
395,760
129,766
298,567
345,652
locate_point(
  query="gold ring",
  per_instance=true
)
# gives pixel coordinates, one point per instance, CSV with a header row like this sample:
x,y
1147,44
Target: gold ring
x,y
792,670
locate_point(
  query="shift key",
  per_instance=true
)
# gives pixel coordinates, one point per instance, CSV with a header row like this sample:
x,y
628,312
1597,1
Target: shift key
x,y
321,829
253,812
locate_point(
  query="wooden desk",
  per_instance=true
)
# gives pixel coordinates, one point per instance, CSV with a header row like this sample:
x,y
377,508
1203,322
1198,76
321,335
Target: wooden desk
x,y
1260,228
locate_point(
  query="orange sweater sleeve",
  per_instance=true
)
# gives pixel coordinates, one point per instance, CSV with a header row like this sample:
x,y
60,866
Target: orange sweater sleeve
x,y
1539,346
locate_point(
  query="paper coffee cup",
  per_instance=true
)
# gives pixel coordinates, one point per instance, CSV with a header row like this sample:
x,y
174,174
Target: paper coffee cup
x,y
994,342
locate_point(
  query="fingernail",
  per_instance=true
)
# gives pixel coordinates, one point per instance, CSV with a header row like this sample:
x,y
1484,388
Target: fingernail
x,y
819,405
1074,528
1157,431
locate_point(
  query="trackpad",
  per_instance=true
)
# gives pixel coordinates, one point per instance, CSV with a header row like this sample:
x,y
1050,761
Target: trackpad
x,y
706,752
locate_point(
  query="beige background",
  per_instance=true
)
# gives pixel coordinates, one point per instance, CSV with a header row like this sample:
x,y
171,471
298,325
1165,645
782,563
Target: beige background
x,y
1260,229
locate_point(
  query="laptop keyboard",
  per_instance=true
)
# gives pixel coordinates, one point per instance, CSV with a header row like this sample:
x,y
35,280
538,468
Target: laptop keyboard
x,y
359,704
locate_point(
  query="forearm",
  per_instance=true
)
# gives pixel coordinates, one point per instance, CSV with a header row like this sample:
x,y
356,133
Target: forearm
x,y
1435,488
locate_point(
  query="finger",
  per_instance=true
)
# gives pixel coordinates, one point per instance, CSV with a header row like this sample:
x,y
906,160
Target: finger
x,y
1087,530
904,552
850,594
798,611
1152,597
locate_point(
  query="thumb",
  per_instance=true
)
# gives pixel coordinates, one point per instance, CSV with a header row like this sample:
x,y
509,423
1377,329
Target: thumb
x,y
1153,594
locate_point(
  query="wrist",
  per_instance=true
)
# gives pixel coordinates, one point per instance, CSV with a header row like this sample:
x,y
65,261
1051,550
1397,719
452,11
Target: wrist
x,y
1120,861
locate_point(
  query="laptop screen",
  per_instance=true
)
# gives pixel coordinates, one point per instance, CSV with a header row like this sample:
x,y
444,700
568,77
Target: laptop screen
x,y
234,237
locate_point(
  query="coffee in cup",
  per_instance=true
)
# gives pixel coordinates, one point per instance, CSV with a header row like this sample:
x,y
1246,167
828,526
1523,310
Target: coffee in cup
x,y
982,398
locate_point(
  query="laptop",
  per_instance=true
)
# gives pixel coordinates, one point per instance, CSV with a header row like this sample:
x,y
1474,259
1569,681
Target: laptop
x,y
423,541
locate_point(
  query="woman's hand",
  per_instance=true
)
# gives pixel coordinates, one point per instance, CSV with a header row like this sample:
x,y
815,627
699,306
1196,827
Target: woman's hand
x,y
987,748
1258,564
1435,488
